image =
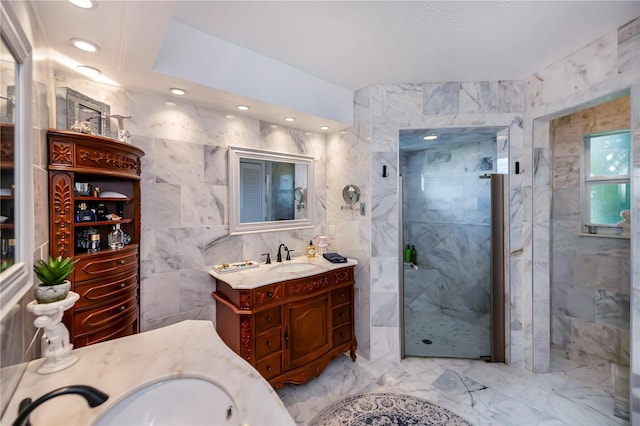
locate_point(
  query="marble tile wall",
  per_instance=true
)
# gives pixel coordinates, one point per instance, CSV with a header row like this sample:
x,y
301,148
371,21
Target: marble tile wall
x,y
349,162
447,217
432,105
185,197
589,275
603,70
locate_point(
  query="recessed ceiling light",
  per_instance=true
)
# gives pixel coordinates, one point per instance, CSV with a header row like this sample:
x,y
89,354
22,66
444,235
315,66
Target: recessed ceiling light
x,y
243,107
85,45
177,91
85,4
170,104
289,119
343,132
430,137
87,70
324,127
273,126
230,116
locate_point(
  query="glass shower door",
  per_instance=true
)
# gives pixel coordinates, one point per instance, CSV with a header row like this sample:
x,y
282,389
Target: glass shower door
x,y
446,215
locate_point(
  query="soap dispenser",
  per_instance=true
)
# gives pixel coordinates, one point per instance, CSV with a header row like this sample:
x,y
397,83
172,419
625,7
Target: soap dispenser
x,y
311,250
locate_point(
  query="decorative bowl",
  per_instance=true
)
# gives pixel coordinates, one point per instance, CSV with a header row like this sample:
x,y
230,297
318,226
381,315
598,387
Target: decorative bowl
x,y
3,219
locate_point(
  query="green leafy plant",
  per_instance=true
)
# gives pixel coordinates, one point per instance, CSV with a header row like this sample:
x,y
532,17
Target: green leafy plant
x,y
6,264
55,271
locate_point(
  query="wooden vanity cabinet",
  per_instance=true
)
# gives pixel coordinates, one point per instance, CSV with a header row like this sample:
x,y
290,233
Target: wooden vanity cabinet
x,y
289,331
108,280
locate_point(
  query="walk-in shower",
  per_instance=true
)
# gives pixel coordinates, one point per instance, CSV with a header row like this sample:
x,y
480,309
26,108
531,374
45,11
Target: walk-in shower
x,y
451,191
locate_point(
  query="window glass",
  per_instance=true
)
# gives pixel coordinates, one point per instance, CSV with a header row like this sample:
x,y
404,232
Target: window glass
x,y
607,201
609,154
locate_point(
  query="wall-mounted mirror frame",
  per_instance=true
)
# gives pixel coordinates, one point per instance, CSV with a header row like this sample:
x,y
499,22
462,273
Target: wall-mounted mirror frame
x,y
238,226
16,280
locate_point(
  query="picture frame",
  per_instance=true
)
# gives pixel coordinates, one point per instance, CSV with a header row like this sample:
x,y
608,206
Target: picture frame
x,y
73,106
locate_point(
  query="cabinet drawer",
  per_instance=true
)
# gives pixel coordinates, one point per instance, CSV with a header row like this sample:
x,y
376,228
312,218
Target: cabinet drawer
x,y
267,320
267,295
270,367
104,316
342,335
268,344
341,315
110,289
341,296
125,327
108,262
342,276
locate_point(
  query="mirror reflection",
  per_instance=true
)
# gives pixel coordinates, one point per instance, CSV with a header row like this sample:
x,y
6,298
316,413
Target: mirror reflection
x,y
7,178
268,190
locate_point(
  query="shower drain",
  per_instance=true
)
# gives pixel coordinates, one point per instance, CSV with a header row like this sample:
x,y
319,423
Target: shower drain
x,y
427,341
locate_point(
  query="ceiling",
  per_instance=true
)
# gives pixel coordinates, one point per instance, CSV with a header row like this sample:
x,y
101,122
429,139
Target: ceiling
x,y
308,51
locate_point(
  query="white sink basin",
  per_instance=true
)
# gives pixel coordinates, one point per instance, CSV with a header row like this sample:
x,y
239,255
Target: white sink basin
x,y
182,401
293,267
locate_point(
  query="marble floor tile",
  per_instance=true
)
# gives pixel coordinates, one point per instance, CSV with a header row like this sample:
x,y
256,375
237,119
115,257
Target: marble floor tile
x,y
484,393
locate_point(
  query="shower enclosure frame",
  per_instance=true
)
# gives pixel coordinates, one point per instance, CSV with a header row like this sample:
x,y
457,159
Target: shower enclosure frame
x,y
500,279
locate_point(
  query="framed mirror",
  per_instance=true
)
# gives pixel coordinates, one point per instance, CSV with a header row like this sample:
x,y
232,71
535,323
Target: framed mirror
x,y
269,191
72,107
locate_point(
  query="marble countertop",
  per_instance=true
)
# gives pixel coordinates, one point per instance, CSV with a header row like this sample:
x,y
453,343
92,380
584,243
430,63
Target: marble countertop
x,y
122,366
278,272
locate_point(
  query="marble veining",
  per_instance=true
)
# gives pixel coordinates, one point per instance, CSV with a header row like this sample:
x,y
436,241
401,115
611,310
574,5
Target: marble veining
x,y
269,274
484,393
119,367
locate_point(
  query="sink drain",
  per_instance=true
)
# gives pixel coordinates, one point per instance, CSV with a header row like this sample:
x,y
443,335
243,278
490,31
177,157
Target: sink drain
x,y
229,413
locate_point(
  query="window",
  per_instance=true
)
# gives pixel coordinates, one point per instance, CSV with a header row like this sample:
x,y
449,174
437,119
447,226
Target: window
x,y
606,179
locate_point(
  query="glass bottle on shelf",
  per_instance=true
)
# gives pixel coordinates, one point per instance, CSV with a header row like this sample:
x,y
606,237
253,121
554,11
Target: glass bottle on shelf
x,y
94,241
116,237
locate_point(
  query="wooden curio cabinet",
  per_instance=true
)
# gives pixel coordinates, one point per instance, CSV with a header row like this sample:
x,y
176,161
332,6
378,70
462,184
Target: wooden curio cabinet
x,y
7,196
94,184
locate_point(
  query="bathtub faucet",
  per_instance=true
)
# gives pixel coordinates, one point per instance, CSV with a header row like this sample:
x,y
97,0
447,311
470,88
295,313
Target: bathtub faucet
x,y
93,396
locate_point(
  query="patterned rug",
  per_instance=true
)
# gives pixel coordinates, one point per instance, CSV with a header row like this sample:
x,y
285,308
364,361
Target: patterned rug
x,y
381,409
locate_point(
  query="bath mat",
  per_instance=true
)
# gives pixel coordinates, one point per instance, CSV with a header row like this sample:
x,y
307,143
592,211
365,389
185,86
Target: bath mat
x,y
378,409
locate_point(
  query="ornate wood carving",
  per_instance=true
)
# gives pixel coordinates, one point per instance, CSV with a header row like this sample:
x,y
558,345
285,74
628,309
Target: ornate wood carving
x,y
267,295
109,160
245,338
309,285
62,215
61,153
245,301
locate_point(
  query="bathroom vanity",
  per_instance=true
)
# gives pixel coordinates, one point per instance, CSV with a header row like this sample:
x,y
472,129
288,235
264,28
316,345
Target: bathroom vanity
x,y
288,320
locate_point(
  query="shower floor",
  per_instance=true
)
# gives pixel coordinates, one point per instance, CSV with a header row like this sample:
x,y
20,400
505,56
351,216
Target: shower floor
x,y
451,336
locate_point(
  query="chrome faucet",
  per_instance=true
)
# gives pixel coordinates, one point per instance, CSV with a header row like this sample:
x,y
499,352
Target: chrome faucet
x,y
279,256
93,396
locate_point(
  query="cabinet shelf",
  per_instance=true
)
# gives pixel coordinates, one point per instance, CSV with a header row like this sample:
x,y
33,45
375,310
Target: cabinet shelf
x,y
101,223
7,197
101,199
105,250
7,226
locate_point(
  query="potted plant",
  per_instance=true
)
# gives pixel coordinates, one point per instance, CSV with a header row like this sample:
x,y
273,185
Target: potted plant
x,y
53,275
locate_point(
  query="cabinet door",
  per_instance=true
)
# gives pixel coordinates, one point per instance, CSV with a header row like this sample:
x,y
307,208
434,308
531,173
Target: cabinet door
x,y
307,331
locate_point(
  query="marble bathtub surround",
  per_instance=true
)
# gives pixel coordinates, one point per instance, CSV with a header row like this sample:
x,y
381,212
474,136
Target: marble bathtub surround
x,y
122,366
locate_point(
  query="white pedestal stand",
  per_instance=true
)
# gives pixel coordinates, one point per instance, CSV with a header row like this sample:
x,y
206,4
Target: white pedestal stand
x,y
56,347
